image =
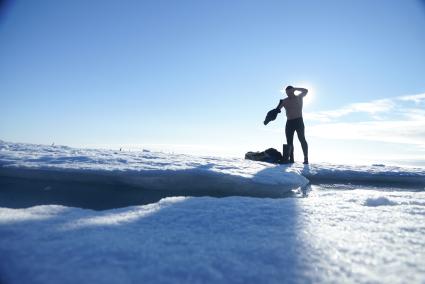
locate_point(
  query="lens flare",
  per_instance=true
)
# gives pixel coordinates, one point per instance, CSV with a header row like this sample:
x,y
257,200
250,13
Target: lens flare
x,y
310,95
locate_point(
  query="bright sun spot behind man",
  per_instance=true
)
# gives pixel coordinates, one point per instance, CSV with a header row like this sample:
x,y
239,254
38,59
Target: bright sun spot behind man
x,y
310,95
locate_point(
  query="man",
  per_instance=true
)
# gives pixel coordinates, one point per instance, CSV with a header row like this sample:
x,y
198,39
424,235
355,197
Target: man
x,y
293,105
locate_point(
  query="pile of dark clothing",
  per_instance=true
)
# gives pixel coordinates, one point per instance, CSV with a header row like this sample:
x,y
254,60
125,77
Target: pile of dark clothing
x,y
270,155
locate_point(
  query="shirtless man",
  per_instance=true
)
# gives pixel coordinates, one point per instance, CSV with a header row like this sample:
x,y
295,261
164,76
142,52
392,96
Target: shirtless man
x,y
293,105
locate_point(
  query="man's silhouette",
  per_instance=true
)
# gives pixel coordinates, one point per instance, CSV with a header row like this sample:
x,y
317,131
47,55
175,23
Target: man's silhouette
x,y
293,105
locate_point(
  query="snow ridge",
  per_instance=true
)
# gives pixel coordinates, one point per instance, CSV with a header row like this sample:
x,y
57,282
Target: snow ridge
x,y
156,169
104,179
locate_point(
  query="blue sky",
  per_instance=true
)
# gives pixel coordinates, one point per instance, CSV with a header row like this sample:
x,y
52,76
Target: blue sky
x,y
199,76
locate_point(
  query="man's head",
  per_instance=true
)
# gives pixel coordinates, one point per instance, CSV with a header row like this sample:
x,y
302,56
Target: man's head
x,y
290,91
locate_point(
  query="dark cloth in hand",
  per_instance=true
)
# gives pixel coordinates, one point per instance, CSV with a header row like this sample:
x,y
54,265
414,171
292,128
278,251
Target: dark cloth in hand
x,y
271,115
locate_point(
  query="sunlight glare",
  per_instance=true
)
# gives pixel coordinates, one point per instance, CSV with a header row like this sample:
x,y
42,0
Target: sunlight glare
x,y
310,95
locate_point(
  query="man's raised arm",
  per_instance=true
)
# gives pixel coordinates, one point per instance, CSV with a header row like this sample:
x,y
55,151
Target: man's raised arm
x,y
303,91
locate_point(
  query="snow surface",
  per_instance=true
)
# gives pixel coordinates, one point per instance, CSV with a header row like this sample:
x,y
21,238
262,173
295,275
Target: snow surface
x,y
331,236
160,171
153,170
358,224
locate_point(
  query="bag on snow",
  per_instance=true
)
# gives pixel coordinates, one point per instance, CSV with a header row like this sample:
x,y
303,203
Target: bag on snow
x,y
270,155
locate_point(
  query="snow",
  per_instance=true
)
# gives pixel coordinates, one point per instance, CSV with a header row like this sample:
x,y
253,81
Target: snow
x,y
327,237
154,170
158,170
374,174
355,224
379,201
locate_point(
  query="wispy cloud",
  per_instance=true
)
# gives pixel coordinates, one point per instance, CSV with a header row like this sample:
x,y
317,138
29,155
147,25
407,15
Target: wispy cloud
x,y
395,120
415,98
404,132
374,108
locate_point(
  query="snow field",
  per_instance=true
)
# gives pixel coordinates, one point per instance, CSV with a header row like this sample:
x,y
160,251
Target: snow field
x,y
331,236
356,224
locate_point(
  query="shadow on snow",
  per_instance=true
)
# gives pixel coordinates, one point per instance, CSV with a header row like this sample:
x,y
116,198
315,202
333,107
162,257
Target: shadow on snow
x,y
101,190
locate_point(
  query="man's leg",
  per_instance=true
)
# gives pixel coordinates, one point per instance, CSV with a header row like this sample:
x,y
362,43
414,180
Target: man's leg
x,y
301,137
289,132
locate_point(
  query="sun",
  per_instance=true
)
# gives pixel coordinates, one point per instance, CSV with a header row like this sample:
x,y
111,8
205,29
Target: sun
x,y
310,95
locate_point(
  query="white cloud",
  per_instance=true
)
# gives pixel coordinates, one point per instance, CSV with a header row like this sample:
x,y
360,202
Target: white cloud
x,y
413,113
374,107
404,132
387,120
415,98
